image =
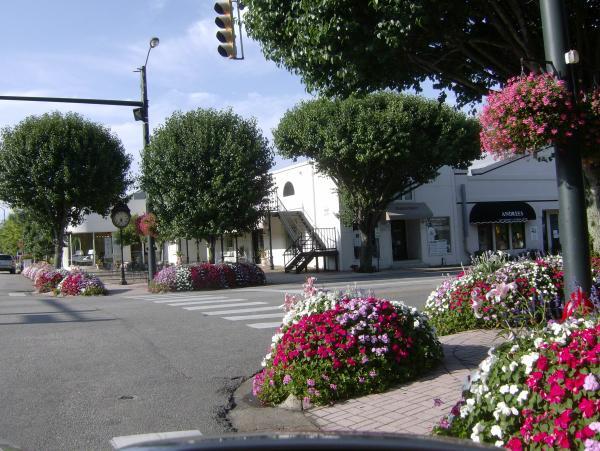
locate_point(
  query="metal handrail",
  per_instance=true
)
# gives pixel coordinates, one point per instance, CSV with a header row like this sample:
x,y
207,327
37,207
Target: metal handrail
x,y
320,239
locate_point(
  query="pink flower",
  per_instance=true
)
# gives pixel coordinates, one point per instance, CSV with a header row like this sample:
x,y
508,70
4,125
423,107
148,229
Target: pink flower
x,y
592,445
287,379
591,384
310,382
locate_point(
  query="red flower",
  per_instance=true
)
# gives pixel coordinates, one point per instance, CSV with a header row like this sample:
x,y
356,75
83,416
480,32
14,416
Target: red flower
x,y
587,407
542,363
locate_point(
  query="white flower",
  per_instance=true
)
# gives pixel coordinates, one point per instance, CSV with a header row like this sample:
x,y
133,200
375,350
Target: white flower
x,y
514,348
522,396
513,389
528,360
476,432
504,410
503,389
538,341
496,431
416,323
499,443
513,365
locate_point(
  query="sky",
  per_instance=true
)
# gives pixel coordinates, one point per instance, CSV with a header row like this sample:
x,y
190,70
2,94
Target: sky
x,y
90,49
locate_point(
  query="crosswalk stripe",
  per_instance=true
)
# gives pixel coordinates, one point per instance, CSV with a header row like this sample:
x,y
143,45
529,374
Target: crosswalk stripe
x,y
243,310
220,301
186,294
259,316
191,298
207,307
264,325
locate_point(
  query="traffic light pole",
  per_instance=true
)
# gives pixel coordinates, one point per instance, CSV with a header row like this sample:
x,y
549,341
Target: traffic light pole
x,y
569,174
146,128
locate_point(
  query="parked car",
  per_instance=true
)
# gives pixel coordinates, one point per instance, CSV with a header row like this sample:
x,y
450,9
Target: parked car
x,y
7,263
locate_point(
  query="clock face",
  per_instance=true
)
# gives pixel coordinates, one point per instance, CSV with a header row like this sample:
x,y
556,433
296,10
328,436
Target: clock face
x,y
120,219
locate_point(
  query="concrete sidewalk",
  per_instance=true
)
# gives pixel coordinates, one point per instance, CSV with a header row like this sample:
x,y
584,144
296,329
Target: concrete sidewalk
x,y
413,408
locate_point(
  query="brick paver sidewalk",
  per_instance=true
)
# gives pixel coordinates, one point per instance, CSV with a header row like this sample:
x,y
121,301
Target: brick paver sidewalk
x,y
411,408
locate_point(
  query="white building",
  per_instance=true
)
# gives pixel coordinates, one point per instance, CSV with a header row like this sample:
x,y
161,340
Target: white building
x,y
510,205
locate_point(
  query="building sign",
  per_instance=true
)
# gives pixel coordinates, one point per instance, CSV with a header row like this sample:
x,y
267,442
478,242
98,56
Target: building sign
x,y
501,212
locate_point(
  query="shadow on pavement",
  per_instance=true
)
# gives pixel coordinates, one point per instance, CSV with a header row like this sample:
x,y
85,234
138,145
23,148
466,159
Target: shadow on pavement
x,y
57,316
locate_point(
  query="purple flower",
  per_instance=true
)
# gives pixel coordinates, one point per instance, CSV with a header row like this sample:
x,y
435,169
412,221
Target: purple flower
x,y
595,426
592,445
444,423
287,379
372,373
333,386
437,402
361,379
306,402
590,383
310,382
325,377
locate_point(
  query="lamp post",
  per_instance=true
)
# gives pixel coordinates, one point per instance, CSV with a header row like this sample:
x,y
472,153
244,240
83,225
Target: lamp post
x,y
571,194
141,114
120,217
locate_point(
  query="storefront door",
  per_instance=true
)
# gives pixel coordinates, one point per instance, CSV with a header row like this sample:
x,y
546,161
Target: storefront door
x,y
553,233
399,250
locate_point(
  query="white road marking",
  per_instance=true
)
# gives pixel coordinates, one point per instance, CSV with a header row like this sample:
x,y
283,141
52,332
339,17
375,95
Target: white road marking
x,y
207,307
221,301
129,440
174,297
166,301
17,294
259,316
244,310
264,325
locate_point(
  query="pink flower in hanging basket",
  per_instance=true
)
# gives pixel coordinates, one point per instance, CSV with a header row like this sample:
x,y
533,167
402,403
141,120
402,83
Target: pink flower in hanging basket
x,y
531,112
147,225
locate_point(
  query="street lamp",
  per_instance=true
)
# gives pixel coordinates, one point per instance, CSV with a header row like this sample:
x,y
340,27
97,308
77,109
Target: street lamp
x,y
141,114
120,217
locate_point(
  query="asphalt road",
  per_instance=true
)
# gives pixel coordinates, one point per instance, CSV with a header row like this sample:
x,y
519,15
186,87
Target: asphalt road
x,y
75,372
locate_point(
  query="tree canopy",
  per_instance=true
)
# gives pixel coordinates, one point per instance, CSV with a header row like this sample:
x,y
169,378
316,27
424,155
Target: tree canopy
x,y
376,148
60,167
206,172
339,47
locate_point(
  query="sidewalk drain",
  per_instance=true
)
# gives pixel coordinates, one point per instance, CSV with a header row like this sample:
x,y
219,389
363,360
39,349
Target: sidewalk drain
x,y
125,397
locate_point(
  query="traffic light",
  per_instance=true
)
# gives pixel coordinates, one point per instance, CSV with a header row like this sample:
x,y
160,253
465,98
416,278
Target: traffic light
x,y
226,35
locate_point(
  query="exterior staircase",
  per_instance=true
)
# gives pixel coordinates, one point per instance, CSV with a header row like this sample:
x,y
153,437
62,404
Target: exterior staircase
x,y
308,242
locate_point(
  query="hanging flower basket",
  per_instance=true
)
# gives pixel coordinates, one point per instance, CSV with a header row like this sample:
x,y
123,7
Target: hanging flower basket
x,y
146,225
536,111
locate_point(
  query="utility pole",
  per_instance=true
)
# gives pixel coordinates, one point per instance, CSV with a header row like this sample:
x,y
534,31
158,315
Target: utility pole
x,y
569,175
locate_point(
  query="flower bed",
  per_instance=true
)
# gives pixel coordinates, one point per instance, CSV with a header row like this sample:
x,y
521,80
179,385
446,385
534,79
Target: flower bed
x,y
336,346
60,281
207,275
539,391
524,292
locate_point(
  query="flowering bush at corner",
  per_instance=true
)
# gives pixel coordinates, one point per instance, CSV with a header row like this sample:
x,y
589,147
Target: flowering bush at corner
x,y
47,278
207,275
535,392
335,346
524,292
79,282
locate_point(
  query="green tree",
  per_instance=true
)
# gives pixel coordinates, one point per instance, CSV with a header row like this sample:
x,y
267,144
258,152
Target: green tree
x,y
11,234
207,174
61,167
37,238
468,47
376,148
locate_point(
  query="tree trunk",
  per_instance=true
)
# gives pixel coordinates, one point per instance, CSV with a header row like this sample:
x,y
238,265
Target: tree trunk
x,y
367,230
59,234
592,174
211,257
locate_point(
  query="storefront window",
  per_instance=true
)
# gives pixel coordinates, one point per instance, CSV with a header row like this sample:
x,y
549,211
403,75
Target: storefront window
x,y
486,242
501,233
438,236
517,231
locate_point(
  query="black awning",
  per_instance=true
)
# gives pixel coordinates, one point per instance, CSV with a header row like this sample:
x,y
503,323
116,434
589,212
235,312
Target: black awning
x,y
486,212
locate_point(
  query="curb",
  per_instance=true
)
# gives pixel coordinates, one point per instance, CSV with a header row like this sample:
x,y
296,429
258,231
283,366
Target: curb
x,y
247,415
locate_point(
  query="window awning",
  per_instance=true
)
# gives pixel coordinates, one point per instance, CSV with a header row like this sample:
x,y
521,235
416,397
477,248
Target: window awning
x,y
493,212
407,210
